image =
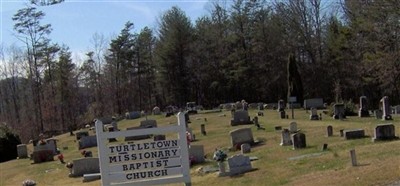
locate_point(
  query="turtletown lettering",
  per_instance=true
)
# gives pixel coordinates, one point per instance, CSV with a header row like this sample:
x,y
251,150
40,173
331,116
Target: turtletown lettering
x,y
143,155
143,146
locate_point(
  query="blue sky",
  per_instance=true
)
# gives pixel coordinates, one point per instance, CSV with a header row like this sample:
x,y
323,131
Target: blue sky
x,y
74,22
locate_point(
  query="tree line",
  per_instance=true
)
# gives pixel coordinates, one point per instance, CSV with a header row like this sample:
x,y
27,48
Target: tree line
x,y
256,50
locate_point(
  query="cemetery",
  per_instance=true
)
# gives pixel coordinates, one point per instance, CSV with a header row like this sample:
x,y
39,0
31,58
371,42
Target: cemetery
x,y
296,151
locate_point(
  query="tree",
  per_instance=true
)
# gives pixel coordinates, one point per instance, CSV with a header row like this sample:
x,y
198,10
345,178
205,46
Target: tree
x,y
34,36
295,86
173,50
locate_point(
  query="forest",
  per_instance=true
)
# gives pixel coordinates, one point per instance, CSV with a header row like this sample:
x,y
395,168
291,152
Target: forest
x,y
256,50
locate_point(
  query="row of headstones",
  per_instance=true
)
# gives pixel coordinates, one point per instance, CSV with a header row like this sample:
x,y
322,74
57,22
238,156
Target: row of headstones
x,y
41,153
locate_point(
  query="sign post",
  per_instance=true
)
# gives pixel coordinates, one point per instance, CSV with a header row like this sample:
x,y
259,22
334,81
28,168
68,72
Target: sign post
x,y
147,162
291,100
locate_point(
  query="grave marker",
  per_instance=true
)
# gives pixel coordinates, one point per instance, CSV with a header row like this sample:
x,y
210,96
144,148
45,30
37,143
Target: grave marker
x,y
239,164
329,131
384,132
299,140
241,136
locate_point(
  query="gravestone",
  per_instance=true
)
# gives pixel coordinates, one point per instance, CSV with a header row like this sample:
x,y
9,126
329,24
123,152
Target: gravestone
x,y
245,148
241,117
260,106
80,134
353,134
156,110
239,164
384,132
378,114
132,115
150,123
159,137
396,109
293,127
324,147
338,111
278,127
341,132
260,113
87,141
285,138
314,114
363,111
282,114
317,103
197,152
329,131
52,143
22,151
386,108
241,136
281,105
203,129
299,140
105,120
83,166
42,153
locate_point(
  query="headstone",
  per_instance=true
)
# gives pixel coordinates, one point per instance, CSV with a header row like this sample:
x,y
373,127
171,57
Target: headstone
x,y
239,164
324,147
314,114
278,127
85,166
87,142
329,131
203,129
293,127
148,123
386,108
245,148
156,110
132,115
80,134
241,136
260,106
42,155
299,140
241,117
197,152
396,109
285,138
341,132
338,111
384,132
105,120
317,103
378,114
281,105
260,113
353,134
159,137
363,111
52,143
22,151
282,114
353,157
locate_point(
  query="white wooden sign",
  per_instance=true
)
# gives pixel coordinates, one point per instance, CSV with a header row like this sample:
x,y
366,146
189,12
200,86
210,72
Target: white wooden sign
x,y
144,163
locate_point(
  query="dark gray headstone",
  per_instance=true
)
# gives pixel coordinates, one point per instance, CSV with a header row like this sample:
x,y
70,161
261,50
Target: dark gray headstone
x,y
245,148
363,111
329,131
85,166
87,142
197,152
353,134
241,117
239,164
384,132
80,134
299,140
338,111
386,108
22,151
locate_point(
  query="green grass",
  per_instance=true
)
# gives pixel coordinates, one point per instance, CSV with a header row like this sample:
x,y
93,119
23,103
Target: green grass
x,y
380,162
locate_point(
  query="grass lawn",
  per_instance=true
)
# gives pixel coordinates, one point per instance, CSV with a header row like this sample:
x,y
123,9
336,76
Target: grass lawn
x,y
379,162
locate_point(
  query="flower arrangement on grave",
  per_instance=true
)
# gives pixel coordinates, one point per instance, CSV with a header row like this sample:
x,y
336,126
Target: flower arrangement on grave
x,y
219,155
61,158
28,182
